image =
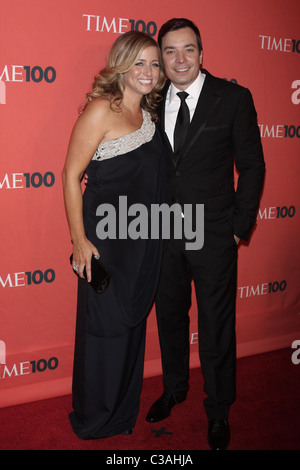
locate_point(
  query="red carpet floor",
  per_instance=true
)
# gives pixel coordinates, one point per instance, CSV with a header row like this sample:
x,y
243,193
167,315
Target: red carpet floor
x,y
265,416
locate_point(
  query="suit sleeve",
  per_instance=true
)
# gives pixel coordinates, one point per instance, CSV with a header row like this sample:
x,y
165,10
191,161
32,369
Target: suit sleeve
x,y
249,162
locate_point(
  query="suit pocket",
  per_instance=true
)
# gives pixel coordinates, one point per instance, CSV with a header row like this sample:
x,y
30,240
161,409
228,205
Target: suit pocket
x,y
218,228
215,128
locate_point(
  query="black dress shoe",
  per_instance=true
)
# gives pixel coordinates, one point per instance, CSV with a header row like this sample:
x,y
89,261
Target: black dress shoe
x,y
218,434
161,409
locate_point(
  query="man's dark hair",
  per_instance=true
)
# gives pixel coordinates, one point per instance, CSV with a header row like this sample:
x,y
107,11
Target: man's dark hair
x,y
179,23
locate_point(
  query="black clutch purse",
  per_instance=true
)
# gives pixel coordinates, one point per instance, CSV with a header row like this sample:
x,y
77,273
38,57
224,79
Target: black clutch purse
x,y
100,274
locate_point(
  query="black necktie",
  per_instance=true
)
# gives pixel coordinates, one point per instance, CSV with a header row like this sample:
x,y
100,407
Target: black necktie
x,y
182,124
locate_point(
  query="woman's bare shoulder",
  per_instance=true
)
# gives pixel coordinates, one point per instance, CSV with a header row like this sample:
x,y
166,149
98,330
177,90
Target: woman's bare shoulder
x,y
98,107
96,117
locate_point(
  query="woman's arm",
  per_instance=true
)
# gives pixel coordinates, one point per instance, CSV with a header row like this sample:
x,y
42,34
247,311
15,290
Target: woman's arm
x,y
88,131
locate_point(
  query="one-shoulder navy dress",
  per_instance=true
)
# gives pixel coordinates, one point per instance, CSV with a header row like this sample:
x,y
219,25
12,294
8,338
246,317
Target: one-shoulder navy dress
x,y
111,326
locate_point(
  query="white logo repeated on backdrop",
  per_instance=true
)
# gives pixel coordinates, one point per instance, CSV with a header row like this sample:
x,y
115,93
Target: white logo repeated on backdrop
x,y
18,369
114,25
271,43
24,73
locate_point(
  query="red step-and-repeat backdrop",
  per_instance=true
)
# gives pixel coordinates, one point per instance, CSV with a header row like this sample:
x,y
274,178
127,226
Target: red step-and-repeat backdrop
x,y
50,52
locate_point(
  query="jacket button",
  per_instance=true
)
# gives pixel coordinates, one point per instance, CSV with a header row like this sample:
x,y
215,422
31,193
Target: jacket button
x,y
177,173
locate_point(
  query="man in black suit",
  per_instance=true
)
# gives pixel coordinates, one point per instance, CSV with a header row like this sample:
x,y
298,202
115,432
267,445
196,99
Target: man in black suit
x,y
221,131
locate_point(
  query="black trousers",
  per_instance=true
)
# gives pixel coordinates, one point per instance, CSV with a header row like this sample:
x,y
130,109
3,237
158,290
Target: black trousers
x,y
213,270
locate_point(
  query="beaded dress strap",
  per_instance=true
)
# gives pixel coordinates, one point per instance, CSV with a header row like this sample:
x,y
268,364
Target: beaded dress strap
x,y
127,142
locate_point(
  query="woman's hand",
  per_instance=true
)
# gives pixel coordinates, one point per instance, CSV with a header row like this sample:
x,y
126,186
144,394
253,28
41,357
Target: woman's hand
x,y
82,255
89,130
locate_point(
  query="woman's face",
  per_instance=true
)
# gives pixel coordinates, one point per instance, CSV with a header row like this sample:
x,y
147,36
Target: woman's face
x,y
144,75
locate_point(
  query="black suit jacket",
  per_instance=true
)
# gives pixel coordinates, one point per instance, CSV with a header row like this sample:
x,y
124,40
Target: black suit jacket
x,y
223,130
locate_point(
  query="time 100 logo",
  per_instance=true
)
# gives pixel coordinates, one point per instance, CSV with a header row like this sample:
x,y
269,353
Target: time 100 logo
x,y
103,24
37,74
140,25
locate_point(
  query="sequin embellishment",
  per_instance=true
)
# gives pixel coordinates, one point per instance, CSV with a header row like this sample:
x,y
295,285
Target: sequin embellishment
x,y
128,142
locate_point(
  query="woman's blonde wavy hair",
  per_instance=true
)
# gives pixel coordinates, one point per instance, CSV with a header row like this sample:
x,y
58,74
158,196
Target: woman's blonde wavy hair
x,y
122,57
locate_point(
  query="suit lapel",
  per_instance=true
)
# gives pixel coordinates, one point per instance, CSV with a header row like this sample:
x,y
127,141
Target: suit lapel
x,y
162,124
207,103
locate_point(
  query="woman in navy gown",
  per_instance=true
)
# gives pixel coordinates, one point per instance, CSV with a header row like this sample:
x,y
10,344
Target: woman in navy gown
x,y
115,141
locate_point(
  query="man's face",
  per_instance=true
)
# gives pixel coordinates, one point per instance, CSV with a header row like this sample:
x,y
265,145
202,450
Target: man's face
x,y
181,57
